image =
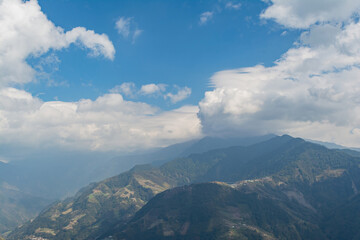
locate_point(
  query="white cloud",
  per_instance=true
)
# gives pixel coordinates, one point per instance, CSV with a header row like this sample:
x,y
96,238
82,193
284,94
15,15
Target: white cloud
x,y
320,35
123,26
127,28
205,17
232,5
25,31
181,94
304,13
127,88
98,44
284,33
4,160
175,94
107,123
312,91
150,89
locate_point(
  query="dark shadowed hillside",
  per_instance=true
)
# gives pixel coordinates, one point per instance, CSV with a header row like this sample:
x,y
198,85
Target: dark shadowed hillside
x,y
216,211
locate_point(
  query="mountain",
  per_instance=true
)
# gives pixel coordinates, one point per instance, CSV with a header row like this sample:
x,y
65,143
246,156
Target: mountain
x,y
97,208
17,207
52,174
163,155
333,145
328,144
216,211
57,174
343,222
211,143
312,195
309,179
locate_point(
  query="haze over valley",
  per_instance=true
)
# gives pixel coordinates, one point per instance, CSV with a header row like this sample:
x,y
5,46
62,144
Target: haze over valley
x,y
220,119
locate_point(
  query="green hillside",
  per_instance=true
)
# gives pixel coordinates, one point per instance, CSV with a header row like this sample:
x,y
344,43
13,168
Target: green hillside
x,y
217,211
97,208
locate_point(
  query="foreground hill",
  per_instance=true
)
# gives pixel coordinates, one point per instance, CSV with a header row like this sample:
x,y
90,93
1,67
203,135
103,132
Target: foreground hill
x,y
218,211
343,222
309,179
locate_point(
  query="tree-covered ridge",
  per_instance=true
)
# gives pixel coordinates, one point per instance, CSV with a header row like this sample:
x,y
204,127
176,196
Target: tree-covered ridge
x,y
96,208
264,208
217,211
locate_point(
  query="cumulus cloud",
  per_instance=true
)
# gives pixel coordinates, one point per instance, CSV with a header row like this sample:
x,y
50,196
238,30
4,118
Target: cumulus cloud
x,y
182,93
25,31
304,13
127,28
151,89
98,44
205,17
312,91
107,123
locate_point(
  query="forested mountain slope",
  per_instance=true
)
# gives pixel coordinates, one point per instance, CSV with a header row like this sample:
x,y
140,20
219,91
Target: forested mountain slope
x,y
304,175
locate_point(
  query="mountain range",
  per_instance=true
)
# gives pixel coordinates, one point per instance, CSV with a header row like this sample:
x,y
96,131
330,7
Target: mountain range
x,y
27,186
55,174
280,188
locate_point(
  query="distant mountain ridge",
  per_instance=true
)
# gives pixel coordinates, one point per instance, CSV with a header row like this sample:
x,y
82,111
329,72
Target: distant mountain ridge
x,y
308,179
59,174
36,178
17,206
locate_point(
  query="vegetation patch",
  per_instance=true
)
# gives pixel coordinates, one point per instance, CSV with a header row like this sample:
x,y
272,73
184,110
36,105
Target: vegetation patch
x,y
67,211
73,222
45,230
330,173
55,215
156,188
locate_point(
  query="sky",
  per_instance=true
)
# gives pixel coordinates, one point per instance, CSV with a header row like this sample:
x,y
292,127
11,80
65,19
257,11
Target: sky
x,y
125,76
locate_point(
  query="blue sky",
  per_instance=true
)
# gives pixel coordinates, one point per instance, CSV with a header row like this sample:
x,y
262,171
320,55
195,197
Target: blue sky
x,y
131,75
173,49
